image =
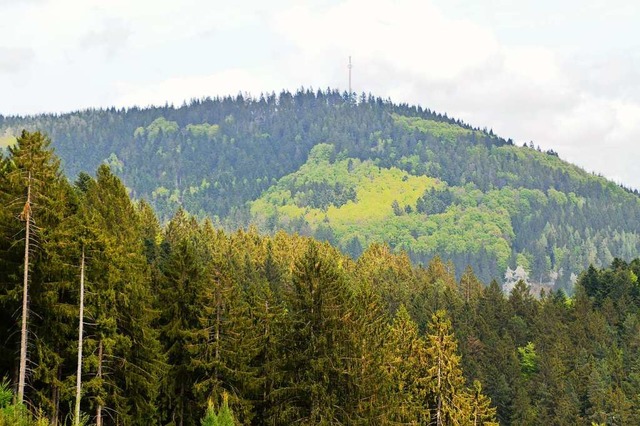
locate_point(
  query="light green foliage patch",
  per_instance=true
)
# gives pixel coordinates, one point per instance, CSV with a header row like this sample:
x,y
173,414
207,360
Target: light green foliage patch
x,y
202,130
438,129
371,216
158,126
376,189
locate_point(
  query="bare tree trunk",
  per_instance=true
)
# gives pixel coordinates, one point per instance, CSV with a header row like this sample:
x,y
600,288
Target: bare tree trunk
x,y
56,398
76,420
439,409
267,388
181,405
217,328
99,375
26,216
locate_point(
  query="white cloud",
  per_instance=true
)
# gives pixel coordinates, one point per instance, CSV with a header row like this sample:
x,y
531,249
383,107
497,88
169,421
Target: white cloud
x,y
111,36
410,34
177,90
408,50
13,60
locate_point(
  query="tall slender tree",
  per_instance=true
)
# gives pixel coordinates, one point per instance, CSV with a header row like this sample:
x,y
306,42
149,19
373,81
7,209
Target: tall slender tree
x,y
32,177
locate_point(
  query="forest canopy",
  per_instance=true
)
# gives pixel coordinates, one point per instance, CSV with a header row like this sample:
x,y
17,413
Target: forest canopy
x,y
187,323
355,171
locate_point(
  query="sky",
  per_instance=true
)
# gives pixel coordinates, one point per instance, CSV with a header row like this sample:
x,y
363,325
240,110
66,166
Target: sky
x,y
563,74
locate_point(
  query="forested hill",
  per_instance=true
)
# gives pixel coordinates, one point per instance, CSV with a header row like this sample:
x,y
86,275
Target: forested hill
x,y
355,172
134,323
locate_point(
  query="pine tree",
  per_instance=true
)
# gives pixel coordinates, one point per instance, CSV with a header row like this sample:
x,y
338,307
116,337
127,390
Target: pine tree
x,y
408,370
125,354
448,400
180,286
226,342
319,340
35,193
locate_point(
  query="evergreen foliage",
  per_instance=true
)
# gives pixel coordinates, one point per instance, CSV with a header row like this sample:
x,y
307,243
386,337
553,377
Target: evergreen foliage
x,y
285,329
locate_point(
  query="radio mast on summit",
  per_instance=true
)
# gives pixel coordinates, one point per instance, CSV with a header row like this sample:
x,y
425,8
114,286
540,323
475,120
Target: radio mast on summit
x,y
350,66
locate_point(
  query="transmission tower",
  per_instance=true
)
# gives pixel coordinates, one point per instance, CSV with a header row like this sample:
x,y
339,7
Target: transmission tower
x,y
350,66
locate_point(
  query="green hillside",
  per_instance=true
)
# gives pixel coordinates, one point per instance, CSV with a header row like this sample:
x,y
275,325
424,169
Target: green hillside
x,y
380,205
355,172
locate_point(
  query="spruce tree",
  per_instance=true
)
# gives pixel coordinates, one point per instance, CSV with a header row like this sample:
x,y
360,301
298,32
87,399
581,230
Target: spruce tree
x,y
180,287
37,197
319,339
125,355
448,402
408,370
227,340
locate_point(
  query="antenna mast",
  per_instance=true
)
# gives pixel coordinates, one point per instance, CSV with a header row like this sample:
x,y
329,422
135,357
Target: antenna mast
x,y
350,66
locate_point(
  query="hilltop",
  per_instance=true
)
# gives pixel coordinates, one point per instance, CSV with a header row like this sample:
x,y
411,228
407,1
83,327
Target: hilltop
x,y
354,172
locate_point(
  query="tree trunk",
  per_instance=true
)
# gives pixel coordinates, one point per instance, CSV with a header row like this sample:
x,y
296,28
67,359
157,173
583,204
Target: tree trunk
x,y
76,419
26,216
267,388
99,375
181,405
439,395
55,397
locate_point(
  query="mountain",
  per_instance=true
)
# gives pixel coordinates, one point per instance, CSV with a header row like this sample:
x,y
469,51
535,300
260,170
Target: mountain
x,y
357,171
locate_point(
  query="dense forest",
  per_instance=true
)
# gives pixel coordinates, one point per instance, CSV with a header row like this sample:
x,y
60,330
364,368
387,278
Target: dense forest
x,y
186,323
355,172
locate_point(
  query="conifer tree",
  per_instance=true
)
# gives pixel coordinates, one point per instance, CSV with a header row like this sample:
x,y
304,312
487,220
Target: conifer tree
x,y
448,402
481,414
227,341
210,417
125,355
369,394
470,287
268,316
318,343
408,370
390,275
180,288
35,195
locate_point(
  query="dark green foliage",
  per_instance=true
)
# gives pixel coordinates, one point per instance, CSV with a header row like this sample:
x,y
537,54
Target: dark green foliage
x,y
319,339
322,195
434,202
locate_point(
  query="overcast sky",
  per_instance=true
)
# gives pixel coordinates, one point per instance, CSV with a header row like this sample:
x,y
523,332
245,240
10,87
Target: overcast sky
x,y
563,74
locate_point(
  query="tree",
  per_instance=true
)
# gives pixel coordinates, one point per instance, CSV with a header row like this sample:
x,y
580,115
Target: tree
x,y
224,416
449,401
34,193
125,358
319,339
470,287
76,413
370,390
182,278
408,370
482,414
